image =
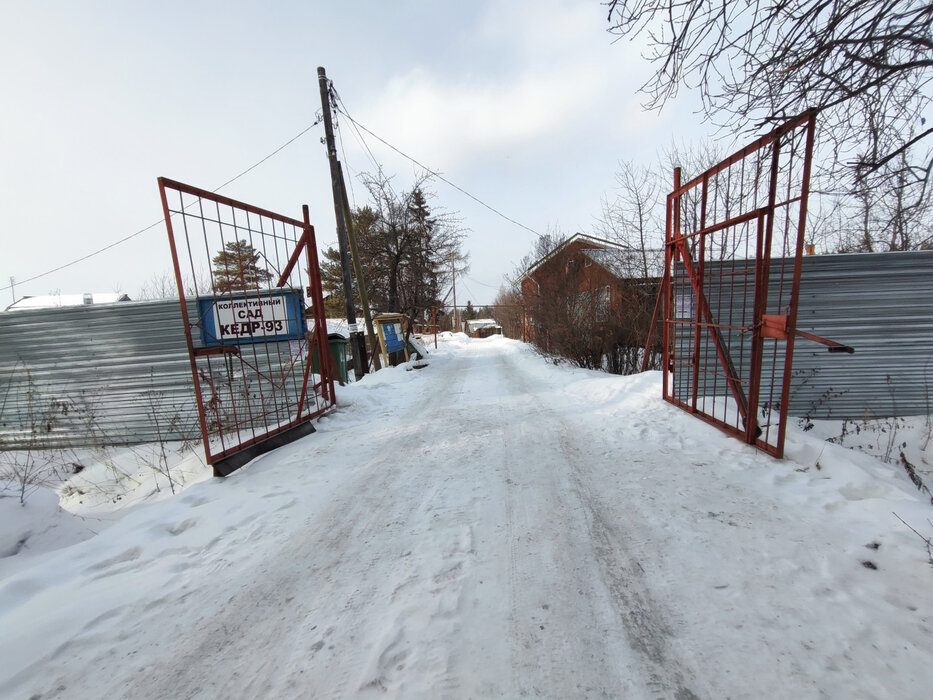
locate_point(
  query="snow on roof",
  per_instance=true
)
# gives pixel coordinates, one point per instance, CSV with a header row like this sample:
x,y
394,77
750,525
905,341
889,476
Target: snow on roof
x,y
476,323
597,243
53,301
338,326
627,263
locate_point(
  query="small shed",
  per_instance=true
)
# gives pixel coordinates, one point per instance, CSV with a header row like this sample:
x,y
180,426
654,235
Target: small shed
x,y
482,327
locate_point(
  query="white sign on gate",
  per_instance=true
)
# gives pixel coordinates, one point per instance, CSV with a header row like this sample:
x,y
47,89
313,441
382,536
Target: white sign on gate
x,y
252,317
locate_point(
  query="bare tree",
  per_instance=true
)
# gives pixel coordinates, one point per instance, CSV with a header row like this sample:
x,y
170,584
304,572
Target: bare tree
x,y
507,311
634,218
162,285
865,63
543,246
406,247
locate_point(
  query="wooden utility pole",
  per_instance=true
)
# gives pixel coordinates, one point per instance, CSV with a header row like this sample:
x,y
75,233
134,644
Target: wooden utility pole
x,y
356,345
358,270
453,281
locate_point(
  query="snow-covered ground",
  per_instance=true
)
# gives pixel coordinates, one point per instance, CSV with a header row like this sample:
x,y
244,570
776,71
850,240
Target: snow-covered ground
x,y
491,525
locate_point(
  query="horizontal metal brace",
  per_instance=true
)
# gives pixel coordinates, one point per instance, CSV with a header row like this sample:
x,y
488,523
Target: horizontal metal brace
x,y
775,326
831,345
217,350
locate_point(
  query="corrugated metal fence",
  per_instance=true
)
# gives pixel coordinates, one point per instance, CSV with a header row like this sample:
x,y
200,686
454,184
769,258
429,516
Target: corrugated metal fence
x,y
119,373
881,304
98,374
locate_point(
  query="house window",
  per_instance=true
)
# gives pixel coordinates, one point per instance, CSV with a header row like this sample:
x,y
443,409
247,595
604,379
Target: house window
x,y
603,303
591,306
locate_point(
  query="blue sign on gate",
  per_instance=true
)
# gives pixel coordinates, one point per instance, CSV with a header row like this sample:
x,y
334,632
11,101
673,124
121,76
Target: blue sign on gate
x,y
268,316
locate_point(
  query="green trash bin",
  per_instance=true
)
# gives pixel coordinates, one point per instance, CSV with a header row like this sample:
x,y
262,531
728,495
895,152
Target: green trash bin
x,y
338,349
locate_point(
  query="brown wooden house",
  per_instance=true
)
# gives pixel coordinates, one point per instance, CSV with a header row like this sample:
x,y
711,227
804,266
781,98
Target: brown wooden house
x,y
591,300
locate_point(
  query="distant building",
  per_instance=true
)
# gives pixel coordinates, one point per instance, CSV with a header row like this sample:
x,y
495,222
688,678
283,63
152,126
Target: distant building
x,y
593,275
482,327
591,300
55,301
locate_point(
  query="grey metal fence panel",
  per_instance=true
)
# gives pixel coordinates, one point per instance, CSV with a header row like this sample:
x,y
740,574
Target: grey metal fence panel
x,y
881,304
120,373
96,374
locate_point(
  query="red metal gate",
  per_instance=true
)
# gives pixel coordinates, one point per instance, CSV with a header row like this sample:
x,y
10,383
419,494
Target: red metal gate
x,y
735,237
248,279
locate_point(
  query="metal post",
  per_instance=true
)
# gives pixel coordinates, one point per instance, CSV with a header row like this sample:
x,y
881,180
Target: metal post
x,y
341,224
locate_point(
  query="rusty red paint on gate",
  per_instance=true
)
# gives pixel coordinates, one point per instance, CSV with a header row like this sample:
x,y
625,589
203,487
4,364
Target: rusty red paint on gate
x,y
734,242
259,383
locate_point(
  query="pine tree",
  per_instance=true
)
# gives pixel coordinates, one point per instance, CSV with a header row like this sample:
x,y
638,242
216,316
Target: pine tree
x,y
405,250
236,268
335,305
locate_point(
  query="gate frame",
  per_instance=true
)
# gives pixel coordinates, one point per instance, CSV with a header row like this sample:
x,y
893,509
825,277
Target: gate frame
x,y
229,459
782,327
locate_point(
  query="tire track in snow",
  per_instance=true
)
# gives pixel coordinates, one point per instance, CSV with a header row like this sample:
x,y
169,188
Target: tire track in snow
x,y
644,625
312,614
478,563
392,600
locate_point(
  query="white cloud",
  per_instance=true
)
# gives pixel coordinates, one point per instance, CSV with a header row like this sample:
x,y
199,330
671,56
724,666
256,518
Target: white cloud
x,y
443,123
560,74
543,26
558,66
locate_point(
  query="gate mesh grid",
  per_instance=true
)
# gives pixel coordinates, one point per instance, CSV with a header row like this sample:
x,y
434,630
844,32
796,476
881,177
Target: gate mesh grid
x,y
734,244
259,384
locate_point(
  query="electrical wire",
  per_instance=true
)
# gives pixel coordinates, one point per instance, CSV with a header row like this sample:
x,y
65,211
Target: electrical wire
x,y
469,291
160,221
482,284
343,110
85,257
344,152
335,98
280,148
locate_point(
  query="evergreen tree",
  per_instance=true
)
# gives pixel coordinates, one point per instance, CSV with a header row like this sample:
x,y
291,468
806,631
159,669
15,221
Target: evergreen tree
x,y
236,268
332,271
405,249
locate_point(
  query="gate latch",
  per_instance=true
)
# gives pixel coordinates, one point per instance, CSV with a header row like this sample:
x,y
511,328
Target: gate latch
x,y
775,326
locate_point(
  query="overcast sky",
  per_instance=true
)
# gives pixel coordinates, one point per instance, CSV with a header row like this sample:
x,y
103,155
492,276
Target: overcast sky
x,y
526,104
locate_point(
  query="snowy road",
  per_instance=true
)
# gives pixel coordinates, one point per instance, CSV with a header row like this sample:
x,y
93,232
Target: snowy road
x,y
459,562
485,527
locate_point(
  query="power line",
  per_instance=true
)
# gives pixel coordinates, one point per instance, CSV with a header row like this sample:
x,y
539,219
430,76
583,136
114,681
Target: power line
x,y
335,96
435,173
280,148
483,284
85,257
160,221
359,136
344,152
469,291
